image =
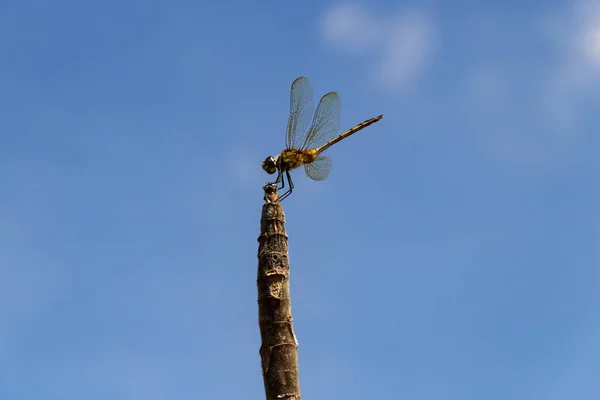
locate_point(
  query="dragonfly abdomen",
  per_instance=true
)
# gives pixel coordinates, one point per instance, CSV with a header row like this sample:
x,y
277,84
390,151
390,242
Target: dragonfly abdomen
x,y
349,132
290,159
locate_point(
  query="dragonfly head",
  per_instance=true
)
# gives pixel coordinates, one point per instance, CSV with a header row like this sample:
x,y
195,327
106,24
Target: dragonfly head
x,y
270,165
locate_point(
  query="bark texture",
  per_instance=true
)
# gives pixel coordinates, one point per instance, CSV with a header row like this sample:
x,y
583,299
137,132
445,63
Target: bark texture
x,y
279,348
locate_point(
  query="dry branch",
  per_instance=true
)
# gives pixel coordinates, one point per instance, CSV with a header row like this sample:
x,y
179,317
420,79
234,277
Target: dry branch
x,y
279,348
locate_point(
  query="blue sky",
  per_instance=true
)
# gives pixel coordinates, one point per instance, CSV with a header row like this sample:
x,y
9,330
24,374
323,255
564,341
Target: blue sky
x,y
453,253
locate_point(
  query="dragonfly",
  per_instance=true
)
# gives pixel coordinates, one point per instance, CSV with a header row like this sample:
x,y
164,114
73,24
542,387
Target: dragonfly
x,y
304,146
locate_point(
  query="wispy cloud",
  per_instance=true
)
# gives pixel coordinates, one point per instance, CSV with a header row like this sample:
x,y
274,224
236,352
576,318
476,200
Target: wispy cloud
x,y
399,44
587,38
532,109
576,74
350,28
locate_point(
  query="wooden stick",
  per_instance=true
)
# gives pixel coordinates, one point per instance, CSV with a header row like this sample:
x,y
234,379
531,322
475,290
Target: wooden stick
x,y
279,348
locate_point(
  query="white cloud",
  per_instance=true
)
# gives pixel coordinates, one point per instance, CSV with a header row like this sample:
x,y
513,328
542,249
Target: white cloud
x,y
407,50
592,45
587,38
577,39
575,76
399,44
349,27
529,109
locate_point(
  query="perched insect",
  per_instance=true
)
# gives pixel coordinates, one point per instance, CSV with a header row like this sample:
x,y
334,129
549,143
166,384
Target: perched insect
x,y
305,147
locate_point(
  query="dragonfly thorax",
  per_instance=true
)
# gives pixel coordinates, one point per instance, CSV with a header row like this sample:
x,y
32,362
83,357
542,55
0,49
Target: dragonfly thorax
x,y
290,159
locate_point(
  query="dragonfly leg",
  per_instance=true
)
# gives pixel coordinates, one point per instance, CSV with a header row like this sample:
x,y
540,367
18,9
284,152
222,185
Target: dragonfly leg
x,y
280,178
291,183
290,180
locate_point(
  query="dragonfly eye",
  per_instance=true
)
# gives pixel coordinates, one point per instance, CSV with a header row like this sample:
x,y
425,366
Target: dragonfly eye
x,y
269,165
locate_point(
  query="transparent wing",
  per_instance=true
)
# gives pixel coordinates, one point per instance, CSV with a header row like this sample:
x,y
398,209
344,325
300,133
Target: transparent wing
x,y
318,169
301,109
326,123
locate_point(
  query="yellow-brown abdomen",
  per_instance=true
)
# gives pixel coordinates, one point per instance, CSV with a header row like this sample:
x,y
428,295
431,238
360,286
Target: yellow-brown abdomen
x,y
291,158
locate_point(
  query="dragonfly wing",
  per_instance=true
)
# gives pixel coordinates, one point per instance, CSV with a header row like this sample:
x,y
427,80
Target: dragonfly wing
x,y
301,109
318,169
326,122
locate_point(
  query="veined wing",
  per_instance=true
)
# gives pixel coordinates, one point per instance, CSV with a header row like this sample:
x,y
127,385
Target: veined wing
x,y
318,169
301,109
326,122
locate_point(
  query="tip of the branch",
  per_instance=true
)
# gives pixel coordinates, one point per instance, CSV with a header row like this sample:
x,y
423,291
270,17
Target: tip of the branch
x,y
271,195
